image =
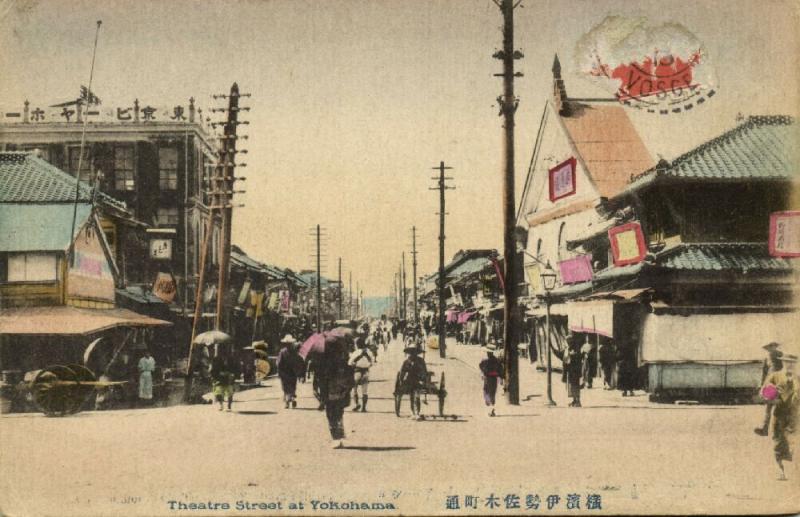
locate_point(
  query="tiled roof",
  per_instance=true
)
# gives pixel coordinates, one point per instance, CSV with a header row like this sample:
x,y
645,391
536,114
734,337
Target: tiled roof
x,y
608,144
26,178
759,148
238,256
468,267
722,256
39,227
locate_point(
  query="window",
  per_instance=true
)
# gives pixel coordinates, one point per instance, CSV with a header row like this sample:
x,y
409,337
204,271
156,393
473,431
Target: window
x,y
167,216
562,243
32,267
123,168
168,168
85,164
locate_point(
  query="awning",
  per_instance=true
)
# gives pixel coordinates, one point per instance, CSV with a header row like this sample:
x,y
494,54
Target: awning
x,y
70,321
622,294
716,337
556,309
595,317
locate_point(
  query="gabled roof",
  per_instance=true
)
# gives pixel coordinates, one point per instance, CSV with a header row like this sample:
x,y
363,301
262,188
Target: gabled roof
x,y
760,148
608,144
26,178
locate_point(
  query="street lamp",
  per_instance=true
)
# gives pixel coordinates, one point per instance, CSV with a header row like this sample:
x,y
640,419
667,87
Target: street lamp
x,y
548,277
548,283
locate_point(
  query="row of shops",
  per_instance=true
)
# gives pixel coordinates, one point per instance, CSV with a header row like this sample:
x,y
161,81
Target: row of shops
x,y
66,300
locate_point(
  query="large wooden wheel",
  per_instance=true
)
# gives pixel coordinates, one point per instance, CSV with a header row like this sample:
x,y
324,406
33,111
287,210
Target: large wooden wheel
x,y
58,390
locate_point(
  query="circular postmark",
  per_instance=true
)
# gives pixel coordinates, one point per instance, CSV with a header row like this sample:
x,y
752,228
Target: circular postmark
x,y
661,69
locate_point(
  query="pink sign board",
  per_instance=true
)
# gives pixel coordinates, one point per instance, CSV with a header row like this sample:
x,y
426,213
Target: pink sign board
x,y
784,234
574,270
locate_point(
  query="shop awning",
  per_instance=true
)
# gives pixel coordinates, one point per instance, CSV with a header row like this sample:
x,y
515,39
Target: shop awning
x,y
556,309
70,321
595,317
716,337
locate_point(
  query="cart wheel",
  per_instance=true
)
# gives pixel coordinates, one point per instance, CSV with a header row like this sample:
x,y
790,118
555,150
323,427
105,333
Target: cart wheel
x,y
82,392
52,397
442,395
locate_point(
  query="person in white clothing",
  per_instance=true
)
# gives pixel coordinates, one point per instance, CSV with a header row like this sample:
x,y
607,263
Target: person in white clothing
x,y
361,360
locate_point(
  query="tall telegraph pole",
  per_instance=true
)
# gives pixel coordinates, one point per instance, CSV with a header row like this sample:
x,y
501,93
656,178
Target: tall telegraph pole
x,y
341,291
414,269
508,105
319,283
405,290
440,280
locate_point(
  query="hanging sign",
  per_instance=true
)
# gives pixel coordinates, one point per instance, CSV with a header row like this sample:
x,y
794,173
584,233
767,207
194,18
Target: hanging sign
x,y
784,234
164,287
574,270
286,301
161,249
627,244
534,278
562,179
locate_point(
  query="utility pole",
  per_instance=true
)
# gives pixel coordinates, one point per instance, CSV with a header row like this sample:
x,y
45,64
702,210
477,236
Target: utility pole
x,y
350,292
414,269
358,301
508,106
405,290
440,280
228,163
220,199
319,284
341,291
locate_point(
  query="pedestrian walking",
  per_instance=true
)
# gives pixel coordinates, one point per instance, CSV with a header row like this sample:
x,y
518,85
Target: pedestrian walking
x,y
781,391
492,373
413,376
589,361
626,371
224,371
606,353
572,371
361,360
772,363
290,367
147,365
337,382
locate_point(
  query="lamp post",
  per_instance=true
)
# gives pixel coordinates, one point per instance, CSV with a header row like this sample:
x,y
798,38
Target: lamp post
x,y
548,283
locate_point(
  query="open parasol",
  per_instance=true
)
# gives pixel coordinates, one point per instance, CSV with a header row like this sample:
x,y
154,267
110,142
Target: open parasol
x,y
212,337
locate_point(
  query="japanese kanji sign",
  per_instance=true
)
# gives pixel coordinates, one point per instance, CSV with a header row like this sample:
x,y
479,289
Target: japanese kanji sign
x,y
161,249
784,234
627,244
562,179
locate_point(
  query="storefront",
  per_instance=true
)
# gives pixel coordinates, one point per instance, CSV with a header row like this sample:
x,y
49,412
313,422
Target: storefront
x,y
707,354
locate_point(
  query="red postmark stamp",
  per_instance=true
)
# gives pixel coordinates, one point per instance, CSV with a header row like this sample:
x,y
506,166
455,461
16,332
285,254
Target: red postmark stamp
x,y
661,69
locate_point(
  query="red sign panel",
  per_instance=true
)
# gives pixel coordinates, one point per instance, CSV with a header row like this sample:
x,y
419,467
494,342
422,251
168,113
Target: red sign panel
x,y
627,244
574,270
562,180
784,234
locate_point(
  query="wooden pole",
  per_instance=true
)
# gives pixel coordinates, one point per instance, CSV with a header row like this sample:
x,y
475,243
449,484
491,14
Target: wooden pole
x,y
508,107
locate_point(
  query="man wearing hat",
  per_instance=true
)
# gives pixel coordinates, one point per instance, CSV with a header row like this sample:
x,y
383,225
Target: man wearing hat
x,y
772,364
290,367
413,375
492,372
361,360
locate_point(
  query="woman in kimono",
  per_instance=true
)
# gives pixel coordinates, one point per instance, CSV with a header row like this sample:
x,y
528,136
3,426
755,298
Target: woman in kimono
x,y
784,415
492,372
147,366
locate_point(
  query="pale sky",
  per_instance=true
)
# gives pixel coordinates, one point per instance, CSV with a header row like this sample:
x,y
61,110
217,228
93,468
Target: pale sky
x,y
355,101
